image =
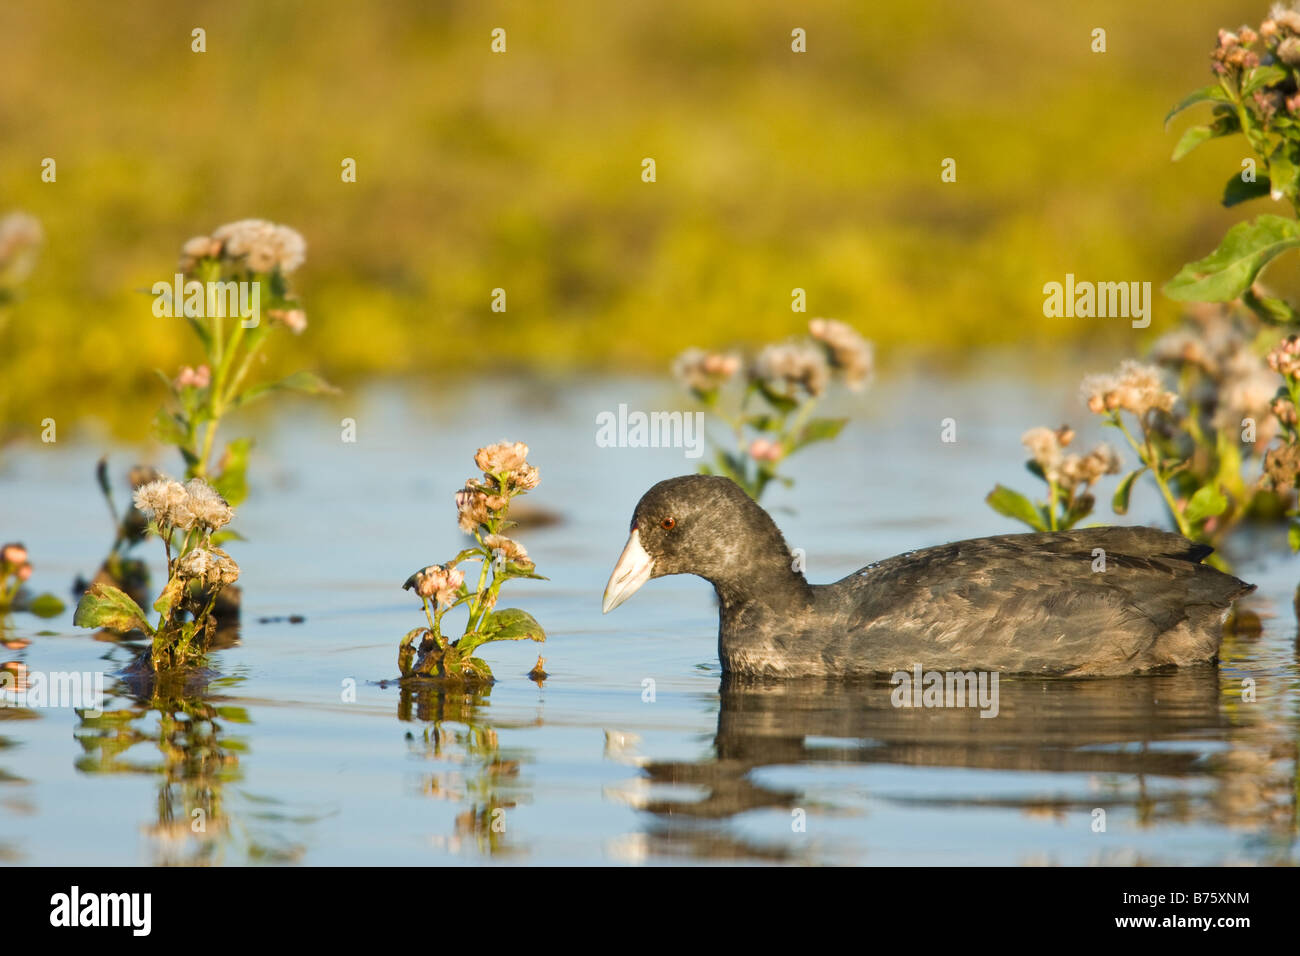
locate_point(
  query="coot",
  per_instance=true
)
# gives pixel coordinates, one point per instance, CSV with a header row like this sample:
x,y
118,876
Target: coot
x,y
1035,603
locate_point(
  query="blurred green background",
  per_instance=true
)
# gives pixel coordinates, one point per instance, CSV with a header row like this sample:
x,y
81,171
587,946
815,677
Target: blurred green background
x,y
478,170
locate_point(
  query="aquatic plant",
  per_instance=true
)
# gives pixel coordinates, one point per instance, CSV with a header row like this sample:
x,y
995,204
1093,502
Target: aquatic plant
x,y
1138,390
1282,461
186,518
771,416
15,571
482,507
1190,463
1256,93
1223,446
1068,476
227,281
1224,420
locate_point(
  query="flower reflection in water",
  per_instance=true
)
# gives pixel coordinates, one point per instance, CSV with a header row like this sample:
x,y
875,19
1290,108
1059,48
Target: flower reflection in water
x,y
177,727
471,767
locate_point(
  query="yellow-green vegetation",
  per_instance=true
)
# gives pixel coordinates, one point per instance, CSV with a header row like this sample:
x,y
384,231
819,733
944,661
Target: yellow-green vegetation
x,y
521,171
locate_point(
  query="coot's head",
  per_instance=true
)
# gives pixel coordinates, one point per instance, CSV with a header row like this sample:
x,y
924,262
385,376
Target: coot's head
x,y
697,524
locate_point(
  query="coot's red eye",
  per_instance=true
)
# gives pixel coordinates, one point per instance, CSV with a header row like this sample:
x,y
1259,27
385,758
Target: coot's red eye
x,y
668,524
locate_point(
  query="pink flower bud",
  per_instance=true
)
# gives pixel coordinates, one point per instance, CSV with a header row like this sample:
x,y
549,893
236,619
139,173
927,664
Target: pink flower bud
x,y
199,377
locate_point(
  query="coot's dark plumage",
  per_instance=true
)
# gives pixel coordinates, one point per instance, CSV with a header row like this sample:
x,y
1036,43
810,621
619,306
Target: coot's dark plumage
x,y
1016,603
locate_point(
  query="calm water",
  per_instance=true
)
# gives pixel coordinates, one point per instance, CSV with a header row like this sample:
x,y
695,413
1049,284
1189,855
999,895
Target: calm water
x,y
583,769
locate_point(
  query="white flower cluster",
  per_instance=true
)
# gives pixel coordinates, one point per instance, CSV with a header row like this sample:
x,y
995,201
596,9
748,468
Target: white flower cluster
x,y
194,504
260,245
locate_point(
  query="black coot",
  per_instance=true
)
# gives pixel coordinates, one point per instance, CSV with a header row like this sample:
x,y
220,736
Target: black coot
x,y
1016,603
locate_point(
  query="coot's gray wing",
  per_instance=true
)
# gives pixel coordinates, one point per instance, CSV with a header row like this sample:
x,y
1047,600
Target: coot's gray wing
x,y
1038,603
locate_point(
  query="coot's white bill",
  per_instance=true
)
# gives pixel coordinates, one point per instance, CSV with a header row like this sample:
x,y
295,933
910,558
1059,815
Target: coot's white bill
x,y
632,571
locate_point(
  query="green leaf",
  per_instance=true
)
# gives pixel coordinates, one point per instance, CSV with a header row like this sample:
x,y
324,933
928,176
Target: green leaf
x,y
512,624
201,329
476,667
105,606
1229,270
1192,137
819,429
166,380
308,383
406,650
169,429
782,403
1260,77
1282,172
1237,191
171,595
515,571
1119,504
45,605
232,483
1081,508
1293,536
765,423
1225,124
1015,505
1212,93
731,466
1269,308
1206,503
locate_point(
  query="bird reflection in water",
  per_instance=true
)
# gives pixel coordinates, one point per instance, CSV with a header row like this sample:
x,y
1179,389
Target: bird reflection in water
x,y
1164,749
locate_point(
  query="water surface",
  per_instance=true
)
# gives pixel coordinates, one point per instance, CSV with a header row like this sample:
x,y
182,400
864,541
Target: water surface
x,y
286,767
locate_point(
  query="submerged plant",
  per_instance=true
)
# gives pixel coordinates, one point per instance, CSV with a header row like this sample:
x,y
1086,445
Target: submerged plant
x,y
1069,478
771,417
234,294
482,507
186,517
15,571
